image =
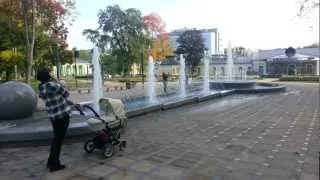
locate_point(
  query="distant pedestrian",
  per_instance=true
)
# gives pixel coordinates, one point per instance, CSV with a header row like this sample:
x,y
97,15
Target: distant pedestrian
x,y
165,81
55,97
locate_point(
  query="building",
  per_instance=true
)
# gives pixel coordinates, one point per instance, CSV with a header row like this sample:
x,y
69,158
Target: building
x,y
217,67
305,61
169,66
265,62
210,38
242,66
69,70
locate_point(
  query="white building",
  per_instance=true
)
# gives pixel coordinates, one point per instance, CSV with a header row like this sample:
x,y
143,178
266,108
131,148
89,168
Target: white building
x,y
210,39
69,70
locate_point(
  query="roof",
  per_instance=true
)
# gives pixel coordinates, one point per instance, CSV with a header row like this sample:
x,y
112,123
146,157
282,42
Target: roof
x,y
178,32
169,62
276,53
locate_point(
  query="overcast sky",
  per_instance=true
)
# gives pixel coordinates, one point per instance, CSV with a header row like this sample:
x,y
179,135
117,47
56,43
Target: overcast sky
x,y
256,24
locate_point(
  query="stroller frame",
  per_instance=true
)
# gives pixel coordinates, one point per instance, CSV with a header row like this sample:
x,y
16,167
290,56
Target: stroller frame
x,y
109,137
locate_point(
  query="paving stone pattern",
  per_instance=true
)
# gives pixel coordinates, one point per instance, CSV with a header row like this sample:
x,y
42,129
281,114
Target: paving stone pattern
x,y
273,136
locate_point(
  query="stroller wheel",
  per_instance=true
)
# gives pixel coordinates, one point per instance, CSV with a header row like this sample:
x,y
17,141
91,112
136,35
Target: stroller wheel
x,y
89,146
108,150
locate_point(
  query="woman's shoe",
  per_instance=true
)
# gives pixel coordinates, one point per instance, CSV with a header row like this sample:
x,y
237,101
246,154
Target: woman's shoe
x,y
57,168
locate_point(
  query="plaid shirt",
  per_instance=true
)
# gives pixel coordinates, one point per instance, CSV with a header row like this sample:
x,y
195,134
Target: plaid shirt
x,y
55,97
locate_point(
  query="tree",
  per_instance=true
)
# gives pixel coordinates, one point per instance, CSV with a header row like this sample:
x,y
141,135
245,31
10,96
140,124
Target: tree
x,y
191,45
84,54
238,51
109,63
9,59
161,47
155,26
290,52
306,6
309,10
122,31
314,45
47,15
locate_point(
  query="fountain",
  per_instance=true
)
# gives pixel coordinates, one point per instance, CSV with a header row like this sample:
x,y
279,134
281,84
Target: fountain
x,y
206,87
37,127
229,63
151,81
97,91
182,76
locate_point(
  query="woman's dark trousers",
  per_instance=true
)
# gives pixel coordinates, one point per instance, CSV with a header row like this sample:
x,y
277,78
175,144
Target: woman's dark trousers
x,y
60,127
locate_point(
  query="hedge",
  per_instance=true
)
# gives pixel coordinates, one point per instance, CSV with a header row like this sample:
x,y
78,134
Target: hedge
x,y
300,78
271,76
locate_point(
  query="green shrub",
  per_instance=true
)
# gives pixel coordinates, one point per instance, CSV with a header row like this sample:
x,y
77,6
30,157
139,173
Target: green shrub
x,y
128,79
84,77
300,78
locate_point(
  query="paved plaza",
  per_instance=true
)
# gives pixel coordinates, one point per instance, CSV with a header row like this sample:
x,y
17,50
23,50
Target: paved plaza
x,y
258,137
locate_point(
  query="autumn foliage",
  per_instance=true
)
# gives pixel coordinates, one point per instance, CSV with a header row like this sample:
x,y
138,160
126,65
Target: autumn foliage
x,y
160,47
34,22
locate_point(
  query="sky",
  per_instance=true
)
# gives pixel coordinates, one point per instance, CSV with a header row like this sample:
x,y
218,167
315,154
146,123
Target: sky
x,y
254,24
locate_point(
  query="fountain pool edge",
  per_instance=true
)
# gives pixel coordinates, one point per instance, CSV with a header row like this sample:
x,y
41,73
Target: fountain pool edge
x,y
81,128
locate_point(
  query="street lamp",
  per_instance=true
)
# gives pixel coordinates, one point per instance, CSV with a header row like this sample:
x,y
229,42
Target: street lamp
x,y
14,53
141,68
56,58
76,55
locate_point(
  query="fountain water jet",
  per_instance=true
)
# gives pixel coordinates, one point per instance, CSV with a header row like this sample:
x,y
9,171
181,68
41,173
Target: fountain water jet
x,y
97,91
151,81
229,63
182,76
206,84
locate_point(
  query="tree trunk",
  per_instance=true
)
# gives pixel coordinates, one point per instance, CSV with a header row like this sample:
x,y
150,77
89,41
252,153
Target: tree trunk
x,y
7,76
30,40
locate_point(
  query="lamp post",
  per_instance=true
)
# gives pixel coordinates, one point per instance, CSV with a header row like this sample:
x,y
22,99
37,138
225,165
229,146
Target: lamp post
x,y
14,53
76,55
56,59
141,68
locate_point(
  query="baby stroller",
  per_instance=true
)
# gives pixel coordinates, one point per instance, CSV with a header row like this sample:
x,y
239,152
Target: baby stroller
x,y
108,127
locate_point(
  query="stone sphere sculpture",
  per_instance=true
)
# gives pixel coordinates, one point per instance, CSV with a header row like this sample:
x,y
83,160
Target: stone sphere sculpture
x,y
17,101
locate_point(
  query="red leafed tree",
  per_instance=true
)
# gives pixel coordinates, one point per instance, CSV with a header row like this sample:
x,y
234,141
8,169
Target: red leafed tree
x,y
40,15
155,27
154,24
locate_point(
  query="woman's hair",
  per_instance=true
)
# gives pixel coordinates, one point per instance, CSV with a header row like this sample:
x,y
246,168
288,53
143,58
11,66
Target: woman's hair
x,y
43,75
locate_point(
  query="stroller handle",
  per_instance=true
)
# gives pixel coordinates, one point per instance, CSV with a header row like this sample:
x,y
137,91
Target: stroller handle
x,y
91,109
80,109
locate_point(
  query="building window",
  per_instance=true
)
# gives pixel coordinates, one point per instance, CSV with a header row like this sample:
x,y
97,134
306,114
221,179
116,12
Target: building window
x,y
222,71
214,71
261,70
68,70
291,70
240,70
309,68
80,70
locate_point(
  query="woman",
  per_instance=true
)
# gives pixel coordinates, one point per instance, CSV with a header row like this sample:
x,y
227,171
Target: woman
x,y
58,107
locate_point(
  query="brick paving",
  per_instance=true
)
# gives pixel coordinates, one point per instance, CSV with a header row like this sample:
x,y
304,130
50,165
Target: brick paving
x,y
274,136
